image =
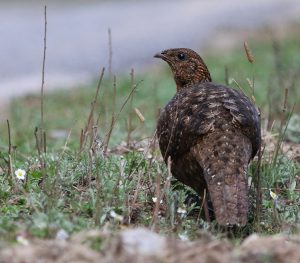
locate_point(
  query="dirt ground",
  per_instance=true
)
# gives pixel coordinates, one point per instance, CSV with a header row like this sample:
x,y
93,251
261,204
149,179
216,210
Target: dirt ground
x,y
141,245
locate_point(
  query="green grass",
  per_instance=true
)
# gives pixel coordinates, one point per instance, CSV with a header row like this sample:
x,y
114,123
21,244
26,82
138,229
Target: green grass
x,y
82,189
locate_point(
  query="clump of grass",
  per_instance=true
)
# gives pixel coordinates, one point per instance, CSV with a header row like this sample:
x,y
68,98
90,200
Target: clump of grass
x,y
268,175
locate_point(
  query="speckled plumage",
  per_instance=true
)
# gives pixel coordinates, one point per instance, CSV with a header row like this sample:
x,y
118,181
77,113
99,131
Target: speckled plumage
x,y
211,132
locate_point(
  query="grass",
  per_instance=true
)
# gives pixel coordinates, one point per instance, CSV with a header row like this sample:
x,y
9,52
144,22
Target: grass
x,y
88,188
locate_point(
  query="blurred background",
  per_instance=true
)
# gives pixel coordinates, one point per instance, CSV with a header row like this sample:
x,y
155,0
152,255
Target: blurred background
x,y
77,35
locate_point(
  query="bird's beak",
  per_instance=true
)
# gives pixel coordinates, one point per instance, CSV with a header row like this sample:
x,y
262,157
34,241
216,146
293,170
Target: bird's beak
x,y
163,56
160,55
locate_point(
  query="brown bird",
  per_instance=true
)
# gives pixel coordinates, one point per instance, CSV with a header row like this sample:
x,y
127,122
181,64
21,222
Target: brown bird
x,y
210,132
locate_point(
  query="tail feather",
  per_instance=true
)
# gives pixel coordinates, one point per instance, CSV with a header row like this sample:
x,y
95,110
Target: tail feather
x,y
225,158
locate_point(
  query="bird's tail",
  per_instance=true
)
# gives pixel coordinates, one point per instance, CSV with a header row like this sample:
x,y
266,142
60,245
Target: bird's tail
x,y
225,158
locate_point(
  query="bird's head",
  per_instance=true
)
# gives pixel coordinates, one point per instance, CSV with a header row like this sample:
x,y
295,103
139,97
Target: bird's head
x,y
187,66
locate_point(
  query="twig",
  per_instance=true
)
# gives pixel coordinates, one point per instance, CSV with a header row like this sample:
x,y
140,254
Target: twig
x,y
94,101
278,63
11,172
10,169
128,97
38,146
282,131
130,109
157,203
110,54
257,185
118,114
41,137
135,197
286,93
269,103
9,137
98,204
81,140
84,132
37,141
108,135
43,70
66,143
168,182
45,142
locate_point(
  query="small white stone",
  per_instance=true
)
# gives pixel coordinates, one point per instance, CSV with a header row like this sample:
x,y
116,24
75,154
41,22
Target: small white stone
x,y
183,237
62,235
181,210
116,216
142,241
22,240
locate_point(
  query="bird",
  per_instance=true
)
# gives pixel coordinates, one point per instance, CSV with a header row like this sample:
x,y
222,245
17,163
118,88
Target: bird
x,y
209,132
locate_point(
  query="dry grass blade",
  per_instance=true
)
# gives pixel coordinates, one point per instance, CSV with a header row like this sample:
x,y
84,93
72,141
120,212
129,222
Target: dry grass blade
x,y
139,114
238,85
129,96
249,54
250,83
89,125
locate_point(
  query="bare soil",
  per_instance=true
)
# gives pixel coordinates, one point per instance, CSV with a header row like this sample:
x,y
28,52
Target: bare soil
x,y
141,245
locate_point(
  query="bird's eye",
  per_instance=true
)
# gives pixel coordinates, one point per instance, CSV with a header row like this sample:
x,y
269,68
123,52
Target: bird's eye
x,y
181,56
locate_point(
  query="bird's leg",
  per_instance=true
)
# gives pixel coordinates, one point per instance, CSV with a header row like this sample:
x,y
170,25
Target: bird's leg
x,y
205,207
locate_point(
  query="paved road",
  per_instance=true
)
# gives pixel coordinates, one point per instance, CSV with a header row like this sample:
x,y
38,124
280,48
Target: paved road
x,y
77,45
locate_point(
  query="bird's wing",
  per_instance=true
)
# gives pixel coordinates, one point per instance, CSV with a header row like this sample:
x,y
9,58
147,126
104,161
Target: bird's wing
x,y
194,112
246,115
211,101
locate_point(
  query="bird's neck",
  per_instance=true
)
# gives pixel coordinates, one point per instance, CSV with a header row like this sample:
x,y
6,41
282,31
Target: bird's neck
x,y
185,84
